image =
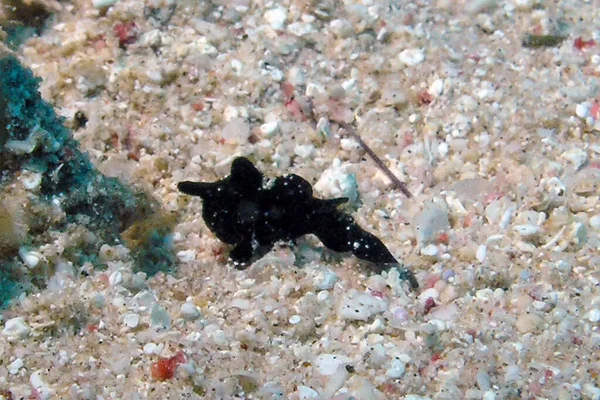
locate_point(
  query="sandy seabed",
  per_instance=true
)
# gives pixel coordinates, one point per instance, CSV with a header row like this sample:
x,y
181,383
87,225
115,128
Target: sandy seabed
x,y
488,110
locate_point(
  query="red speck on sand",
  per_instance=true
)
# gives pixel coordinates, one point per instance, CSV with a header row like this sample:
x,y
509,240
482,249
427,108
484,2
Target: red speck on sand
x,y
443,238
429,304
581,44
165,368
595,111
425,97
126,32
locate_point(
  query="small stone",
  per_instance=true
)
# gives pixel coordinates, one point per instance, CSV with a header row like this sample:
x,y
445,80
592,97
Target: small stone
x,y
341,28
582,110
429,222
481,253
115,278
489,395
103,3
484,294
436,88
31,258
276,17
411,57
377,326
448,294
304,151
361,306
131,320
328,364
595,222
43,389
594,315
430,250
186,255
16,328
325,279
189,311
527,230
577,157
512,373
296,76
270,128
299,28
160,317
153,348
31,180
430,293
295,319
15,366
304,392
483,381
396,369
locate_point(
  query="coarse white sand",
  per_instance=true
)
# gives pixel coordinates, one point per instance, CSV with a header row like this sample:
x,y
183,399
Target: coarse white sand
x,y
497,141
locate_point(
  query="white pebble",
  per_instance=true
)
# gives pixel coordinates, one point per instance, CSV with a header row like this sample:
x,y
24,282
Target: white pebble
x,y
429,222
396,369
329,363
349,144
153,348
361,306
325,279
296,76
304,392
186,255
115,278
489,395
30,258
582,110
269,129
429,293
242,304
577,157
323,295
484,294
304,150
430,250
43,389
299,28
189,311
336,181
276,17
377,326
411,57
103,3
443,149
481,253
436,88
595,222
341,28
527,230
15,366
31,180
594,315
294,319
16,328
131,320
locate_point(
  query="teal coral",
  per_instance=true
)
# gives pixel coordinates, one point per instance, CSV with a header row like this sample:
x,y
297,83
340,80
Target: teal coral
x,y
33,137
